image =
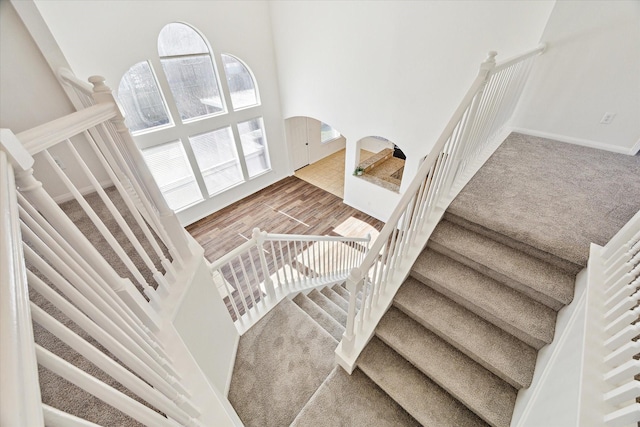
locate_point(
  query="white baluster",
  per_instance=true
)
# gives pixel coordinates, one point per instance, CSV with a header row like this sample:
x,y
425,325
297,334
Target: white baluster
x,y
20,402
117,372
99,389
35,194
268,283
177,235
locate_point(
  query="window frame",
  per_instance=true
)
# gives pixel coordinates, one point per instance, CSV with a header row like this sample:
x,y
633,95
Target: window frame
x,y
181,130
338,136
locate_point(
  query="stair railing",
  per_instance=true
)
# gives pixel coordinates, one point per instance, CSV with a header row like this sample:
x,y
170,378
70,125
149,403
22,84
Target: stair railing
x,y
610,391
477,127
66,272
127,163
258,274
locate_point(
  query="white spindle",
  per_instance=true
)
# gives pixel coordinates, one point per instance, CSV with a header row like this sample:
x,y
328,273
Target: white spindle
x,y
71,258
475,124
101,390
623,353
622,337
95,294
19,388
34,193
625,319
623,417
113,369
102,228
623,372
109,147
116,213
140,348
628,391
56,418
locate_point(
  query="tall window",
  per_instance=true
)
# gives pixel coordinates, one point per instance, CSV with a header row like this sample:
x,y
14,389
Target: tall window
x,y
327,133
190,120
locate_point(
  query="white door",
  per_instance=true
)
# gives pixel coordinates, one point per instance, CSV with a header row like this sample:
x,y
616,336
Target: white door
x,y
298,141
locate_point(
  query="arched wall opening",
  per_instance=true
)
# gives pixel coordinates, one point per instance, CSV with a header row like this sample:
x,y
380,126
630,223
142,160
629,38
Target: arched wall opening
x,y
380,162
317,153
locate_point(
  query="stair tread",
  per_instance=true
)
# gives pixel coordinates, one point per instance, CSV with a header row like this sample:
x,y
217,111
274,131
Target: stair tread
x,y
329,306
320,316
490,397
504,263
512,311
559,262
335,298
498,351
418,395
340,290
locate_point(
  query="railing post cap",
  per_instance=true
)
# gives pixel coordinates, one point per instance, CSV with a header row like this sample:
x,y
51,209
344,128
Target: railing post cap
x,y
98,83
491,57
355,274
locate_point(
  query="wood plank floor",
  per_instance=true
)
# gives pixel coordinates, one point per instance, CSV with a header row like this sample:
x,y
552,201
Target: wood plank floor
x,y
290,206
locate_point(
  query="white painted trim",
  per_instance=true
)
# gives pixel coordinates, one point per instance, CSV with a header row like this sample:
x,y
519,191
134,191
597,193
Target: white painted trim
x,y
84,191
556,346
635,149
232,365
578,141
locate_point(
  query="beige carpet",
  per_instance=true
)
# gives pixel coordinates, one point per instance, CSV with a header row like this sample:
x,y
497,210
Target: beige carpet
x,y
281,362
554,196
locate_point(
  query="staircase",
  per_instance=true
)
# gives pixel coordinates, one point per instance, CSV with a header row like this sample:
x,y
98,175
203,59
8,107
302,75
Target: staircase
x,y
462,335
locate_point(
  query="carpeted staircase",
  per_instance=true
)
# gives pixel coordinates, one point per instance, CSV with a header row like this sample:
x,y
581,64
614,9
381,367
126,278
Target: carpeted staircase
x,y
462,335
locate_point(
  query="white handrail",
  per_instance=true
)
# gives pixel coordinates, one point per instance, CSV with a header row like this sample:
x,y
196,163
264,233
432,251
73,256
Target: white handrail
x,y
256,275
20,403
472,130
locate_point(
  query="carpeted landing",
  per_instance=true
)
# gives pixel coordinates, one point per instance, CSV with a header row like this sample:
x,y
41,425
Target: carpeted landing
x,y
463,332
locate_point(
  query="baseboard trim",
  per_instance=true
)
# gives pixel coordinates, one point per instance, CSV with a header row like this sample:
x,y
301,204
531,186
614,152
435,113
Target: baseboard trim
x,y
232,365
84,191
635,149
555,348
580,141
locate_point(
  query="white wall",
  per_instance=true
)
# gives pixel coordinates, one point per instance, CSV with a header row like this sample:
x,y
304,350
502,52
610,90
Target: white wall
x,y
30,95
396,69
374,145
552,399
107,37
592,66
207,330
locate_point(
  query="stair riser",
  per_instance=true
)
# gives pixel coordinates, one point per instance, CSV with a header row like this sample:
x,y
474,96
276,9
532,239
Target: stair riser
x,y
329,307
335,298
469,305
321,317
443,386
458,345
514,284
561,263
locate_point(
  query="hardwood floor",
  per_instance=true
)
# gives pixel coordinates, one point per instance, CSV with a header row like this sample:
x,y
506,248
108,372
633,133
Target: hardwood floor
x,y
290,206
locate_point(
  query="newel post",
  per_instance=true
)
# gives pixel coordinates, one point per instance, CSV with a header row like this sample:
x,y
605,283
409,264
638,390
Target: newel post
x,y
142,175
260,237
354,284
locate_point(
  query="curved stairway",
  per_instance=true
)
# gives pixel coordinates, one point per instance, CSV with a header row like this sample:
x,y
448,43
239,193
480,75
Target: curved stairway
x,y
462,335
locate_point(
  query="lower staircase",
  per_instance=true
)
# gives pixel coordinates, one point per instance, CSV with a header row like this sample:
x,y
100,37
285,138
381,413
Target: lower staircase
x,y
462,335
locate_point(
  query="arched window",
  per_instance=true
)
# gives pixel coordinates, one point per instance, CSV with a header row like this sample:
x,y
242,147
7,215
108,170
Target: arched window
x,y
177,109
241,85
189,69
141,100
